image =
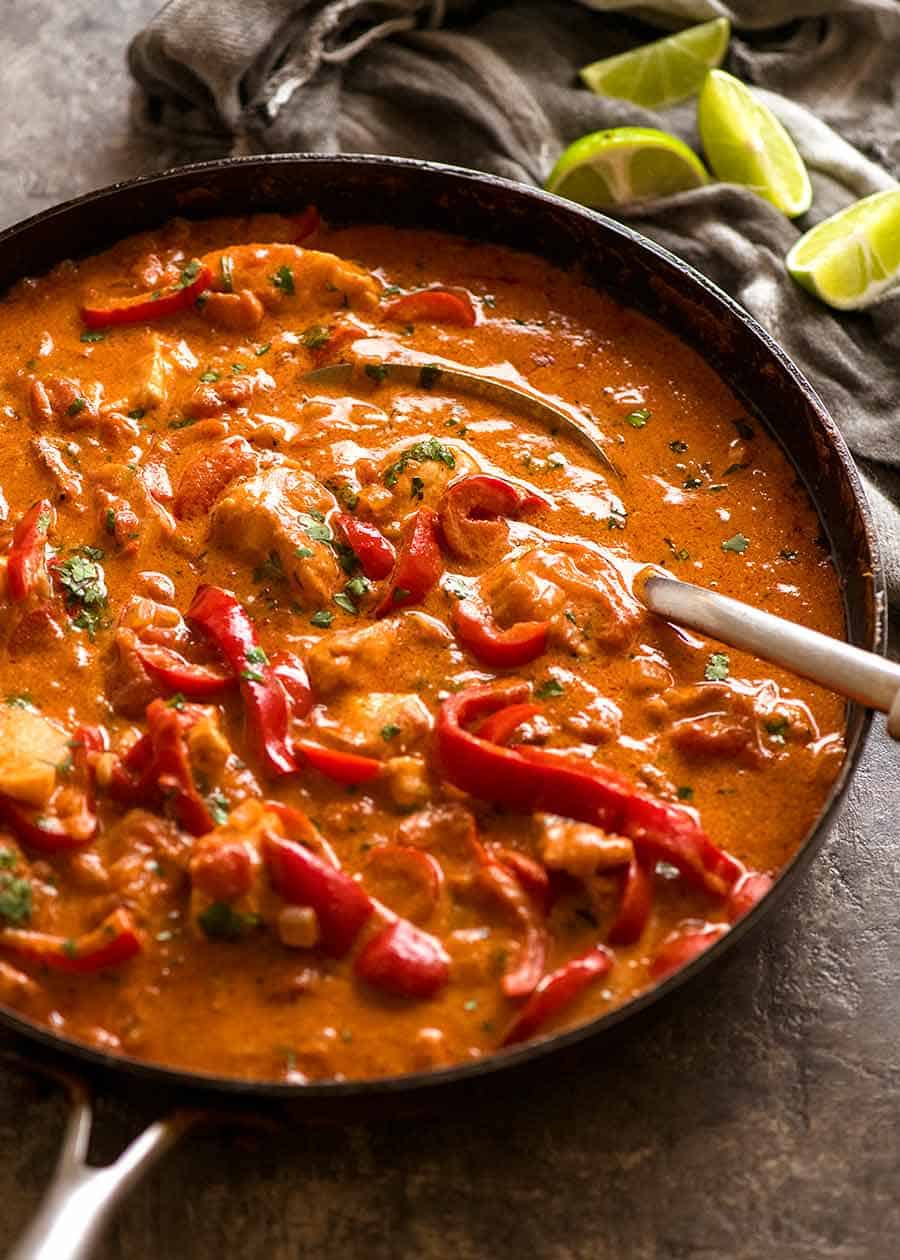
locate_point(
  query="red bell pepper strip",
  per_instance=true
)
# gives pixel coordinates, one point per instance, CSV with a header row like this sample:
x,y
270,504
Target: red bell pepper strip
x,y
471,508
157,767
305,225
558,991
405,961
176,674
476,630
405,879
343,767
526,968
635,904
682,947
749,889
528,779
28,552
149,306
435,306
291,673
500,727
300,828
113,942
300,877
224,620
375,554
531,875
418,565
47,833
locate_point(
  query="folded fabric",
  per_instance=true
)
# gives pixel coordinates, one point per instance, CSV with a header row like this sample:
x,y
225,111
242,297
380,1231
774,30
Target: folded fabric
x,y
494,87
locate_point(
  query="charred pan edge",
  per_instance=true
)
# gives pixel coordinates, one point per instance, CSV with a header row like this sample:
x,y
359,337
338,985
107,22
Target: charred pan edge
x,y
638,273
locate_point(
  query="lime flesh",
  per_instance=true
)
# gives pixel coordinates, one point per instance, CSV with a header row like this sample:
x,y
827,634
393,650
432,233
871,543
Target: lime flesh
x,y
851,258
664,72
626,164
745,144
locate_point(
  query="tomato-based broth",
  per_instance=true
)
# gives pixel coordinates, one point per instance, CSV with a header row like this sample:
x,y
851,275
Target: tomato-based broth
x,y
335,740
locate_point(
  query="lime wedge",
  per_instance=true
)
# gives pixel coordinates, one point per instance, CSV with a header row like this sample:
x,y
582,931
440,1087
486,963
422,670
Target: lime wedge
x,y
746,144
612,168
666,71
849,259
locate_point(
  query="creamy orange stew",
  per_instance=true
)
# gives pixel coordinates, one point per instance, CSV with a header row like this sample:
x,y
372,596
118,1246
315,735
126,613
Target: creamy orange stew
x,y
336,742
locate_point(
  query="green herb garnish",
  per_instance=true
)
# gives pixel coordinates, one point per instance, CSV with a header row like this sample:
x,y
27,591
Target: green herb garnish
x,y
717,667
678,446
15,899
226,272
210,377
345,602
92,336
429,375
77,405
685,793
429,450
218,808
82,578
637,419
376,372
221,922
390,731
190,273
316,336
322,619
738,544
283,279
549,689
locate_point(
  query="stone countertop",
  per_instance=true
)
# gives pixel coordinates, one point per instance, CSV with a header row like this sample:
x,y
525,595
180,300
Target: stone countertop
x,y
757,1114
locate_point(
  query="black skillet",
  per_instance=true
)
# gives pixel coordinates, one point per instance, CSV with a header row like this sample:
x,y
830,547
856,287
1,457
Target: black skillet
x,y
608,256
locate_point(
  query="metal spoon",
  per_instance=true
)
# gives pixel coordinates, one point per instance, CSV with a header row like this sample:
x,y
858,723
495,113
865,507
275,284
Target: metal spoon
x,y
848,670
428,375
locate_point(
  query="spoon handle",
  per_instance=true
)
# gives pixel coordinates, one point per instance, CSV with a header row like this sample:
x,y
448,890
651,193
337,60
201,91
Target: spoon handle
x,y
851,671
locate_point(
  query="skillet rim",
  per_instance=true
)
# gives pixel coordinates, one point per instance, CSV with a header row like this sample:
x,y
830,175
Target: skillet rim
x,y
858,722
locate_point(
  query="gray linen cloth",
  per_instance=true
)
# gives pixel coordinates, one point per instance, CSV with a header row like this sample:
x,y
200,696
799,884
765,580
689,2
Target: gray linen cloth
x,y
493,86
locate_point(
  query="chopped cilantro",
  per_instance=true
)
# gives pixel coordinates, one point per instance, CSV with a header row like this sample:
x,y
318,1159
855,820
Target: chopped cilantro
x,y
92,336
400,593
717,667
190,273
316,336
549,689
256,656
738,544
184,422
261,350
429,375
137,414
270,570
692,483
678,446
376,372
322,619
617,519
471,1004
109,521
283,279
417,488
15,899
218,808
176,701
787,554
303,553
83,580
70,947
458,586
237,368
75,406
345,602
210,377
429,450
680,553
390,731
252,675
8,860
637,419
226,272
221,922
777,727
20,700
685,793
357,587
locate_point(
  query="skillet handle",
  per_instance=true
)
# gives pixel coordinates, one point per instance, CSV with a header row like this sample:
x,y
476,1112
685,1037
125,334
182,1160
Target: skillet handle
x,y
81,1199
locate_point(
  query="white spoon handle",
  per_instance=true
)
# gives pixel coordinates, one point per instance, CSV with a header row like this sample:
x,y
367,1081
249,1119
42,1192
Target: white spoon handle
x,y
851,671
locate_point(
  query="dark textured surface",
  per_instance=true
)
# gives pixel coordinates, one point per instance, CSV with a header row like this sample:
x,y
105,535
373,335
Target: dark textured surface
x,y
758,1114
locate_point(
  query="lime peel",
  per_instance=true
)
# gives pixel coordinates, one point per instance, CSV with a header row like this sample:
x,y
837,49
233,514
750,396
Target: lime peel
x,y
664,72
625,165
851,258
